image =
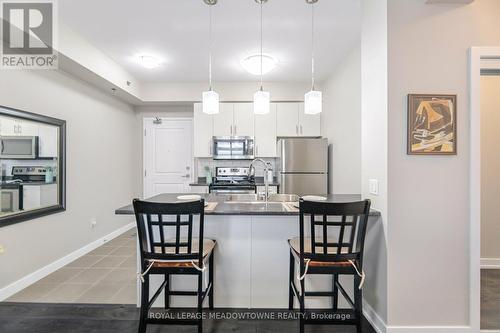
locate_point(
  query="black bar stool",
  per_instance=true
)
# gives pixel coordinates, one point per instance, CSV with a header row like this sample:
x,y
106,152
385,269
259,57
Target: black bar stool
x,y
333,253
183,254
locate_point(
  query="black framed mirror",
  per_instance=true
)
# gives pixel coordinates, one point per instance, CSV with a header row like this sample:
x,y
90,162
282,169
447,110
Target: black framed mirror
x,y
32,165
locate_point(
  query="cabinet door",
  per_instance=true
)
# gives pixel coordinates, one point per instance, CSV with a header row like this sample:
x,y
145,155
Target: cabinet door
x,y
199,189
203,132
31,197
9,127
28,128
223,121
47,141
309,124
265,133
243,119
48,195
287,119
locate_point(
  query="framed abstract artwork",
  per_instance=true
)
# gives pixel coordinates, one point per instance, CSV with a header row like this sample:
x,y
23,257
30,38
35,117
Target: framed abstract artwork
x,y
432,124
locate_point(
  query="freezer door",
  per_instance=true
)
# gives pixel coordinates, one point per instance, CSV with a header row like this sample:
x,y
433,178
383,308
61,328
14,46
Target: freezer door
x,y
303,155
304,184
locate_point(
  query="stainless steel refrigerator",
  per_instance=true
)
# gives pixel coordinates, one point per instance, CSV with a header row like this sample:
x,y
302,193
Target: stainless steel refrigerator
x,y
303,165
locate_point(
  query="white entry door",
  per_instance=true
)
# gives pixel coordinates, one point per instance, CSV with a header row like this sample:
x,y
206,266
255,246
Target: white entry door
x,y
168,154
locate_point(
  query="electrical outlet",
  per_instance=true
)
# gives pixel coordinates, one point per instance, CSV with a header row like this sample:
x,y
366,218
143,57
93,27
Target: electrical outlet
x,y
374,186
93,222
2,249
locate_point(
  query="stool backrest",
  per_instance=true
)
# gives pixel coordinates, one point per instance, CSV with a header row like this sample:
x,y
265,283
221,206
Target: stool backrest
x,y
337,230
165,230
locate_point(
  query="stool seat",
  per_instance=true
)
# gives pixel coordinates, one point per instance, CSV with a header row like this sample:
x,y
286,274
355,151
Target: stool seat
x,y
294,244
208,247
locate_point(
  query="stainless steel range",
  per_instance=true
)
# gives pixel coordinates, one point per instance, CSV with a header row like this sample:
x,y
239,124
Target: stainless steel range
x,y
230,180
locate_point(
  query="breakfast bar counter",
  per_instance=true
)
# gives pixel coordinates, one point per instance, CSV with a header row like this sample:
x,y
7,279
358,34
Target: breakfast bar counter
x,y
251,257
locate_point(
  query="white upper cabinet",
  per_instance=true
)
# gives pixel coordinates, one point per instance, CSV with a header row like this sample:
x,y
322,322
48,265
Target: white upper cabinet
x,y
223,121
243,119
309,124
203,132
292,121
265,133
47,141
28,128
287,119
9,127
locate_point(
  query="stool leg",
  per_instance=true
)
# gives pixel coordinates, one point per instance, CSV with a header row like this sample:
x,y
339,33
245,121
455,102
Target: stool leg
x,y
144,304
358,304
290,281
335,290
200,303
167,291
211,282
302,300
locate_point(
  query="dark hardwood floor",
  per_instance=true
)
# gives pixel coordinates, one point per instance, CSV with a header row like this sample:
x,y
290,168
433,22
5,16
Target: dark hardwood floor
x,y
490,299
76,318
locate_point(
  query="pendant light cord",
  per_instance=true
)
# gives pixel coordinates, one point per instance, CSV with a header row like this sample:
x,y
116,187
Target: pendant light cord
x,y
312,46
261,3
210,47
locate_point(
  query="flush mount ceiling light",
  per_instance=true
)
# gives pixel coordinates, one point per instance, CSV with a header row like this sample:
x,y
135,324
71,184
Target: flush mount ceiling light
x,y
210,99
261,99
252,64
313,100
148,61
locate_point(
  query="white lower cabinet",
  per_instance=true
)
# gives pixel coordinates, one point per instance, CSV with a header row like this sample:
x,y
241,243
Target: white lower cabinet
x,y
199,189
265,133
36,196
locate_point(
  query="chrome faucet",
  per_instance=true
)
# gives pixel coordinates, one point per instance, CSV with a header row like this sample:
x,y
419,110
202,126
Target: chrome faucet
x,y
251,170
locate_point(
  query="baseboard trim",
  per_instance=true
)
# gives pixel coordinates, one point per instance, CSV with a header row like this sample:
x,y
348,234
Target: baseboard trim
x,y
429,329
374,319
490,263
31,278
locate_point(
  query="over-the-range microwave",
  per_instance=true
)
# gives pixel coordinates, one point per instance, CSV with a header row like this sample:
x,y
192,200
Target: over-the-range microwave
x,y
233,148
19,147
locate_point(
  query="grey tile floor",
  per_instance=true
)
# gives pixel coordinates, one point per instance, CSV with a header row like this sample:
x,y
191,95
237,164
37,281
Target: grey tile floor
x,y
105,275
490,299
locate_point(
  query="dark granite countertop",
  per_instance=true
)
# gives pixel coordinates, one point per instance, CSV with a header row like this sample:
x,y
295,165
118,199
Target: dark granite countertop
x,y
237,208
259,181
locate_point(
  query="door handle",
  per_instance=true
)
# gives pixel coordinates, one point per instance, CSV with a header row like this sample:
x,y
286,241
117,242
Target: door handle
x,y
186,176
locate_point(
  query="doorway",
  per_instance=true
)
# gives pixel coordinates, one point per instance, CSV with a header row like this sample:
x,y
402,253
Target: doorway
x,y
484,278
168,155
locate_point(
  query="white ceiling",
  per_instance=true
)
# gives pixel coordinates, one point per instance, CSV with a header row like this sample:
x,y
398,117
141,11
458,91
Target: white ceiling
x,y
177,32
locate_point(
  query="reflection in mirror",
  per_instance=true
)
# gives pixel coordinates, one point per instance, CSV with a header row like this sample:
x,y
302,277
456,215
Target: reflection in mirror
x,y
32,182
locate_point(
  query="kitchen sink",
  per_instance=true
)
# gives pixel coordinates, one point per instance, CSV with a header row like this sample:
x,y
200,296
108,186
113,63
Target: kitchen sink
x,y
256,199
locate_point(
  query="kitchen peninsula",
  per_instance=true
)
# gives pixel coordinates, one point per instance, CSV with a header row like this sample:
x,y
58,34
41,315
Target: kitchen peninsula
x,y
252,253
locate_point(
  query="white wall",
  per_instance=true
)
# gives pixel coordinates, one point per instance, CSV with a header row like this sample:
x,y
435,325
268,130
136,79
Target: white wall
x,y
98,139
341,124
490,166
429,195
374,147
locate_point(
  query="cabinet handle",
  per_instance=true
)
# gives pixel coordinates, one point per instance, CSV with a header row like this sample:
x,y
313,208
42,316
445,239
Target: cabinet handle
x,y
231,129
256,150
296,129
234,129
301,131
209,148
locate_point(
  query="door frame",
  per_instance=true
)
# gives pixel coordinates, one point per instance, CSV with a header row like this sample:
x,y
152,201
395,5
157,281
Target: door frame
x,y
145,120
476,57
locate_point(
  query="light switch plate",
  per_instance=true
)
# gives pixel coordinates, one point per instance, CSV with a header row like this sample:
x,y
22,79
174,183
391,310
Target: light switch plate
x,y
2,249
374,186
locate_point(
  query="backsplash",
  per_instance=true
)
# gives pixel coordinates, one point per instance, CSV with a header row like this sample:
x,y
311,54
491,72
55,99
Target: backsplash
x,y
200,164
6,165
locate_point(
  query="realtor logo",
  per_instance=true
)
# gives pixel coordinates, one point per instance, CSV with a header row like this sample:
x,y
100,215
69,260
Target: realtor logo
x,y
28,32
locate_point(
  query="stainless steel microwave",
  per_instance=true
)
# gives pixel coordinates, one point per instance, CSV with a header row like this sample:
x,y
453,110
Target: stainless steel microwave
x,y
233,148
19,147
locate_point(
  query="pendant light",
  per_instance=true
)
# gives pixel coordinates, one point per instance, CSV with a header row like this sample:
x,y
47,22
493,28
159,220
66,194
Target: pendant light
x,y
313,100
261,98
210,99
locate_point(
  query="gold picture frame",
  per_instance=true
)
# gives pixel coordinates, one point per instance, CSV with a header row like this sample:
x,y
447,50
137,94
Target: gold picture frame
x,y
432,124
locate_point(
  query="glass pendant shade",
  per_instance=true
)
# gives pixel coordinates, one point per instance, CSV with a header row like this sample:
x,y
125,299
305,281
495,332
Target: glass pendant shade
x,y
261,102
313,102
210,101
